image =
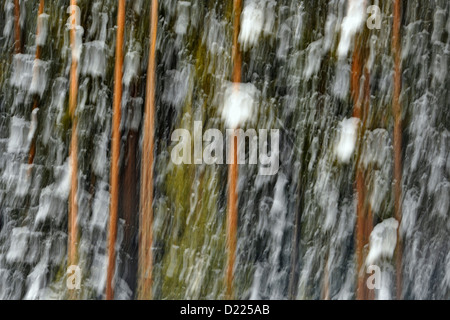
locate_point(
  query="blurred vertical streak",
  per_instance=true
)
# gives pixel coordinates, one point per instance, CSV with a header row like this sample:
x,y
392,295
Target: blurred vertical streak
x,y
326,279
146,211
73,93
129,206
364,223
397,112
17,42
115,146
36,99
293,279
232,214
368,223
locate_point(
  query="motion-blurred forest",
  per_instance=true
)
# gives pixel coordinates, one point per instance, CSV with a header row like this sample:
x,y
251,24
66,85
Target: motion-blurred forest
x,y
92,91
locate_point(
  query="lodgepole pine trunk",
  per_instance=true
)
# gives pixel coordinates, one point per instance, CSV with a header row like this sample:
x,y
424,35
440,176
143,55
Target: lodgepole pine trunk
x,y
73,93
32,152
397,111
115,146
146,202
17,41
232,214
364,220
129,206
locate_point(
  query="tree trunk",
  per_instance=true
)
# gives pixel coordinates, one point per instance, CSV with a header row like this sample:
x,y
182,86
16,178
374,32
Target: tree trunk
x,y
115,146
364,220
397,111
73,92
36,99
129,207
146,212
232,214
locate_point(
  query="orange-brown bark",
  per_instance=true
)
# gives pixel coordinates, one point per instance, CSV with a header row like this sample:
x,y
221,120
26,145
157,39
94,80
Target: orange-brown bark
x,y
232,213
38,31
364,220
73,205
146,211
115,146
237,55
397,111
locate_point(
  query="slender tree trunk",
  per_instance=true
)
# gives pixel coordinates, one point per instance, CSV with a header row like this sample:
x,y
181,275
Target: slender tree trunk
x,y
36,99
129,206
115,145
17,42
73,93
146,212
38,31
397,111
237,55
232,214
364,223
356,75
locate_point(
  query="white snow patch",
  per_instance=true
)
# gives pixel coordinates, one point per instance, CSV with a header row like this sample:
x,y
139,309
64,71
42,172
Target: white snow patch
x,y
351,24
77,47
58,190
65,178
40,77
348,133
239,104
18,248
94,59
383,240
181,26
18,138
252,24
36,280
22,74
314,59
23,180
43,29
33,126
131,67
